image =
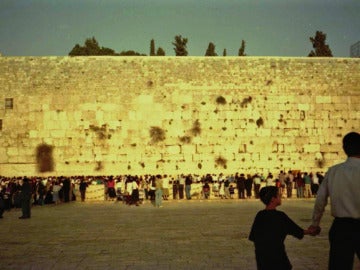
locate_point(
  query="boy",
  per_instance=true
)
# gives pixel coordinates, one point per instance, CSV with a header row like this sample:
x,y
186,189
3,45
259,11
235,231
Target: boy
x,y
269,230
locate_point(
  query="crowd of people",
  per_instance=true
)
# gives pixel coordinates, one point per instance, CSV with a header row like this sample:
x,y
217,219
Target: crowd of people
x,y
134,189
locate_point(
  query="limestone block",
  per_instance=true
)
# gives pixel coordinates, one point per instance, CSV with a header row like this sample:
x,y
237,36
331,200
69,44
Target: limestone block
x,y
188,149
303,107
173,149
99,116
145,99
3,155
45,106
33,133
88,107
341,99
12,151
13,159
57,133
323,99
311,148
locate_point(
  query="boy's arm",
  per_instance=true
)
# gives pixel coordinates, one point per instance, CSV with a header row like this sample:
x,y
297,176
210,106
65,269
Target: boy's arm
x,y
294,229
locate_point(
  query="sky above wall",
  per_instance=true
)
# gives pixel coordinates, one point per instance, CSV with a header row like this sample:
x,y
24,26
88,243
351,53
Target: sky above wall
x,y
269,27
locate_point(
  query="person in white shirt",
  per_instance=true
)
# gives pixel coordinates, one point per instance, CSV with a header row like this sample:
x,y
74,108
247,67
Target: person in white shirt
x,y
342,185
165,187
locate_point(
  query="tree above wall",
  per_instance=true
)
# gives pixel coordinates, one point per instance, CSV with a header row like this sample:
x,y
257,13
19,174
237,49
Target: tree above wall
x,y
91,47
321,49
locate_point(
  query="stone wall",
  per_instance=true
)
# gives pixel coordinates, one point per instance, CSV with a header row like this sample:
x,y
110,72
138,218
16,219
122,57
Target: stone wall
x,y
137,115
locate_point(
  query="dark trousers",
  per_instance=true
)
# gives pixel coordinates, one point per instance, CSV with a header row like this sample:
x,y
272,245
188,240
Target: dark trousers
x,y
181,191
66,195
26,207
82,194
2,207
257,190
344,237
175,191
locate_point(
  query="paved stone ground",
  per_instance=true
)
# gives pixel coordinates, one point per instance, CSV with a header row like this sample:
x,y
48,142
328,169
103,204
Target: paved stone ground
x,y
194,234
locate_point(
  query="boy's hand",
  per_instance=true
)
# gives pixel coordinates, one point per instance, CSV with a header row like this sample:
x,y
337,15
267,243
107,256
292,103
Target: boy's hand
x,y
313,230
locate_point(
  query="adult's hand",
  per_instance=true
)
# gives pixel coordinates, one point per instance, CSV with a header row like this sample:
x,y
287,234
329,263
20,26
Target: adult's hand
x,y
314,230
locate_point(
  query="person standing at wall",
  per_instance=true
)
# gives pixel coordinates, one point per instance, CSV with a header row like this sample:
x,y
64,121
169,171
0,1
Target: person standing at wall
x,y
342,185
248,186
289,184
307,182
257,185
240,183
181,186
314,184
282,178
158,191
299,181
56,190
166,186
2,203
25,199
175,186
82,187
188,182
66,189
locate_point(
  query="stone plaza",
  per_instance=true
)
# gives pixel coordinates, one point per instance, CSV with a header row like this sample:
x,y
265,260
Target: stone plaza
x,y
183,234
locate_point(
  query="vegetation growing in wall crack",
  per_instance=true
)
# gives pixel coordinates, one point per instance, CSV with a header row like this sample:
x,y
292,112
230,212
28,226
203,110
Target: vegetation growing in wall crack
x,y
185,139
157,134
221,161
260,122
245,102
99,166
196,128
221,100
44,158
101,132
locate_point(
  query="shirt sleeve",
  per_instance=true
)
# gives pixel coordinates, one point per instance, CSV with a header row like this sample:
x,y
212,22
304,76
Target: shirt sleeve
x,y
294,229
321,201
253,228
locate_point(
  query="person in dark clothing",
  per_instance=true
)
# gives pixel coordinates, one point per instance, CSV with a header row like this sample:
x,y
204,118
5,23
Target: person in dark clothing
x,y
2,204
25,199
188,182
240,184
269,231
175,189
248,185
66,189
82,187
41,192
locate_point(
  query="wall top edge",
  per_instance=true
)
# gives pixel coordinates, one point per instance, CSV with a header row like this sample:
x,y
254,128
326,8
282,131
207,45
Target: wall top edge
x,y
185,57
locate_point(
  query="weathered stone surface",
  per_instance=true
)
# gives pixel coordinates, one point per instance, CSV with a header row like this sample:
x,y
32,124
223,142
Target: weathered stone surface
x,y
258,113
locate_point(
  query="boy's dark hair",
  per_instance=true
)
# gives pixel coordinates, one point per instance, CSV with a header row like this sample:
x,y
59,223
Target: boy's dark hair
x,y
351,144
267,193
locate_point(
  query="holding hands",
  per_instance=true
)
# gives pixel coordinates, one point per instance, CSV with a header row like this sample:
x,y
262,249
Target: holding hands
x,y
313,230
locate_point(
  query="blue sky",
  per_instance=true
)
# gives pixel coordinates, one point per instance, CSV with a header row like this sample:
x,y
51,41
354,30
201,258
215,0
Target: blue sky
x,y
269,27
